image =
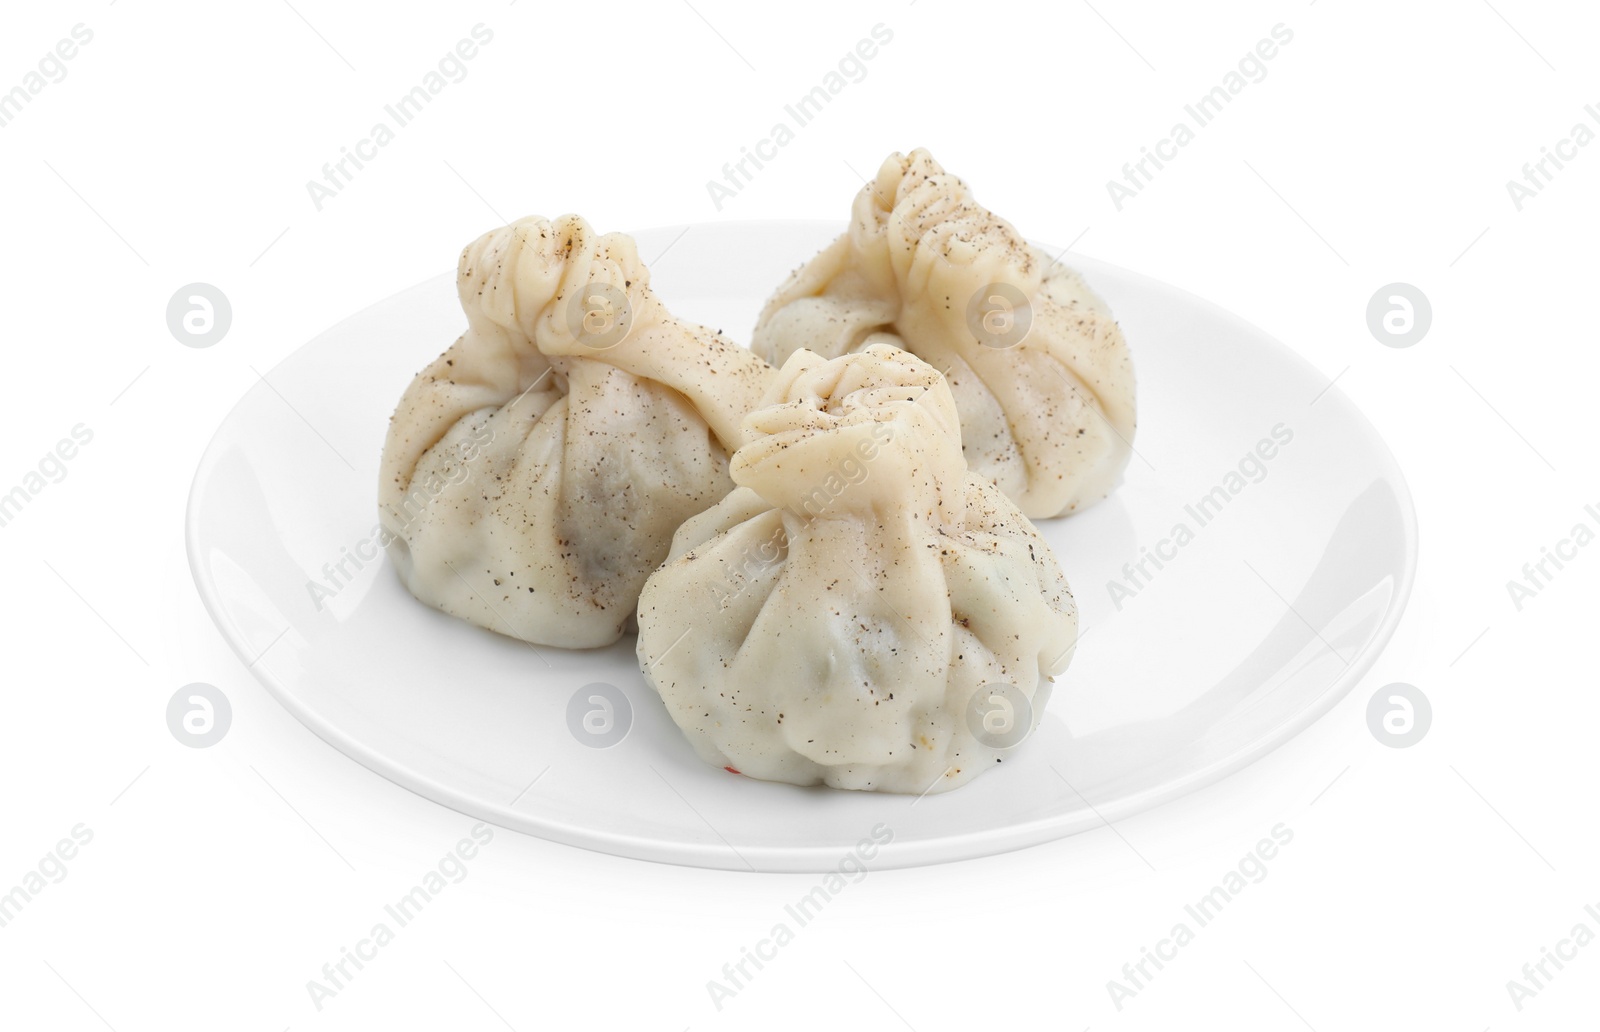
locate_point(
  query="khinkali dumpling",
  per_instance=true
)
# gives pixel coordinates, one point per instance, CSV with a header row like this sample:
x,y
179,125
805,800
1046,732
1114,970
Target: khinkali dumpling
x,y
534,474
862,612
1039,369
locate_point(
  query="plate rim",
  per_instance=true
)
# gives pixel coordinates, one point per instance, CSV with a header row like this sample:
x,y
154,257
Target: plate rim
x,y
951,848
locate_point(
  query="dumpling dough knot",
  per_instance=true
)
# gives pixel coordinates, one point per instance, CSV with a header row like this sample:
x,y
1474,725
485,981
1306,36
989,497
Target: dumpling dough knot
x,y
935,234
557,282
1038,367
837,438
833,620
535,472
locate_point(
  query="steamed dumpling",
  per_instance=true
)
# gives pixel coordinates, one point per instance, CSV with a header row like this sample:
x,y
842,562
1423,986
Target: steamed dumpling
x,y
862,612
534,474
1039,370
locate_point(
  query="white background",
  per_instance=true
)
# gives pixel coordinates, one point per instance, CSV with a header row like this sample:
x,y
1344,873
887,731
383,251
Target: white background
x,y
177,149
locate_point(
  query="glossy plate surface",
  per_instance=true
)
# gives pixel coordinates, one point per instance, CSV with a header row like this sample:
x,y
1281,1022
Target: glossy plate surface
x,y
1251,594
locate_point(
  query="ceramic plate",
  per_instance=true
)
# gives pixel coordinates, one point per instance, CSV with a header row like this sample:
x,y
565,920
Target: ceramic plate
x,y
1245,575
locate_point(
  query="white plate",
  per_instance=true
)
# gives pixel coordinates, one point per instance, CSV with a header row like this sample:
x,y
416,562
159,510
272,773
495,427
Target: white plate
x,y
1248,633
